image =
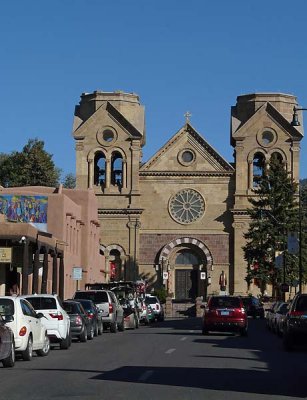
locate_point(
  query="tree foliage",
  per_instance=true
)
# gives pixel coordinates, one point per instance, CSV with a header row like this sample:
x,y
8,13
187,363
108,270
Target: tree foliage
x,y
69,181
33,166
274,214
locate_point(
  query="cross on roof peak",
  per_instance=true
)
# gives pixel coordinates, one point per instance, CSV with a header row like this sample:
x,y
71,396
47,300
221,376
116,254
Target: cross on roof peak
x,y
187,116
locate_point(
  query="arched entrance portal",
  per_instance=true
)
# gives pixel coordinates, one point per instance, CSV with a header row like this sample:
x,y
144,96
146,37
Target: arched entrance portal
x,y
186,269
188,263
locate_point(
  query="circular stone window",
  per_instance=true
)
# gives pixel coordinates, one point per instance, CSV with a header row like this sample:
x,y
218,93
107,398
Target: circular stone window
x,y
186,206
106,136
266,138
186,157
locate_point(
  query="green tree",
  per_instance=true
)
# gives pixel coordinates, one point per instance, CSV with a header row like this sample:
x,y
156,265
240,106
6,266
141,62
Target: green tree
x,y
69,181
274,213
303,227
33,166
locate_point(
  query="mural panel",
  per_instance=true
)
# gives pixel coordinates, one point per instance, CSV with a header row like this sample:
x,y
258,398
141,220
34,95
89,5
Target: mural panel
x,y
29,209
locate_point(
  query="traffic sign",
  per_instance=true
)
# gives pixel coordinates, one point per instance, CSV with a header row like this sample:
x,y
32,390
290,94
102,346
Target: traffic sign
x,y
165,275
284,287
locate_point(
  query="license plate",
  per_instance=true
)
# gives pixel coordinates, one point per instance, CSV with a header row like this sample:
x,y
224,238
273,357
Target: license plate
x,y
224,312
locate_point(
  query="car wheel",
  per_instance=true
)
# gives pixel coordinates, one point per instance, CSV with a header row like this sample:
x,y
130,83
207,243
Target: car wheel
x,y
113,327
205,331
83,336
9,361
28,352
96,329
64,343
44,351
121,326
243,331
91,335
287,342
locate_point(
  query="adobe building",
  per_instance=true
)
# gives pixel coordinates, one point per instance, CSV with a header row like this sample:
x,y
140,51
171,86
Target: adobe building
x,y
178,218
50,237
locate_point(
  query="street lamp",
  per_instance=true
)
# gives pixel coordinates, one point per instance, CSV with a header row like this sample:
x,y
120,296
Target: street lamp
x,y
296,122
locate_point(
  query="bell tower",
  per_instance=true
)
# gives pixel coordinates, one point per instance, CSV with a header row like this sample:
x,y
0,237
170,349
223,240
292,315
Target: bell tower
x,y
109,133
260,127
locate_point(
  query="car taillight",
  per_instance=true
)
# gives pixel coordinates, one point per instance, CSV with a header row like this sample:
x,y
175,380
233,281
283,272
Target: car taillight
x,y
296,313
157,307
110,308
57,315
23,331
242,310
90,315
78,320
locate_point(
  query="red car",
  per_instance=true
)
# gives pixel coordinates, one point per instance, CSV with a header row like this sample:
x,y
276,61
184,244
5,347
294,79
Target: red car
x,y
225,314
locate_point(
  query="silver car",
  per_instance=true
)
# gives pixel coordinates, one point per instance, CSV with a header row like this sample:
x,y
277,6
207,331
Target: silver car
x,y
112,314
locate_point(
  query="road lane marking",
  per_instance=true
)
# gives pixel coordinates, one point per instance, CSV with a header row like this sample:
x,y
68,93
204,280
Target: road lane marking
x,y
183,338
169,351
192,331
145,375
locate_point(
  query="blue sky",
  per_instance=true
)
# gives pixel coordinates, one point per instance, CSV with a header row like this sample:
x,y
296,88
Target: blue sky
x,y
178,55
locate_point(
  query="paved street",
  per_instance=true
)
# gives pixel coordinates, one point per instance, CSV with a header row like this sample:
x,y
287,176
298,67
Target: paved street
x,y
169,360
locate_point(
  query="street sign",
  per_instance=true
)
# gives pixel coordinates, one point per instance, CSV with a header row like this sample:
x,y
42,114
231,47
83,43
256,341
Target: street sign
x,y
284,287
165,275
279,260
203,275
77,273
293,243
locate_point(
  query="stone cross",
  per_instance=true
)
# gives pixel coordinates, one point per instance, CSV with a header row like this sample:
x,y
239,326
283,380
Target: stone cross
x,y
187,116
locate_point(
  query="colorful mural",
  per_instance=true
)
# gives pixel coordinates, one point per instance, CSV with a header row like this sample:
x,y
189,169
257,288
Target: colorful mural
x,y
30,209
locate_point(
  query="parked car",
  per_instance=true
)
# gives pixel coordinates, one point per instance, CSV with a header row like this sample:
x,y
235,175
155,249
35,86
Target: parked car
x,y
130,317
93,314
253,306
225,313
271,314
112,313
144,313
7,345
81,325
30,333
279,318
156,306
56,319
128,293
295,323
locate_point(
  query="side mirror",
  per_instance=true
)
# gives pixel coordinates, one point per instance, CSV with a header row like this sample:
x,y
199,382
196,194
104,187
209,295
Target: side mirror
x,y
39,315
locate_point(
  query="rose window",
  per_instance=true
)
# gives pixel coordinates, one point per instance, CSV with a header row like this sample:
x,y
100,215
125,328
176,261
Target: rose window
x,y
187,206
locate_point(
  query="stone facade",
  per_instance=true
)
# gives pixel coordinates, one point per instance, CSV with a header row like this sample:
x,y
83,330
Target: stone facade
x,y
177,219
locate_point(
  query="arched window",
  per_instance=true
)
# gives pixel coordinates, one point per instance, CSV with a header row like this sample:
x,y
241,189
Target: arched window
x,y
115,265
117,169
99,169
258,168
277,157
186,257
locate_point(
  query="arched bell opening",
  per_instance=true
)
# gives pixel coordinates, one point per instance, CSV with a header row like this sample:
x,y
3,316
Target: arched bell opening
x,y
117,169
100,169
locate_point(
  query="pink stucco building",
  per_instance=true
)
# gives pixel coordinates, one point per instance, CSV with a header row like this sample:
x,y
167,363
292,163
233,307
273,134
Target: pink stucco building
x,y
46,257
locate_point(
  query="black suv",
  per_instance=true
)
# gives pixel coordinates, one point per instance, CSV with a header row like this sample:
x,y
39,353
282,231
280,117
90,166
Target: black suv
x,y
295,323
253,306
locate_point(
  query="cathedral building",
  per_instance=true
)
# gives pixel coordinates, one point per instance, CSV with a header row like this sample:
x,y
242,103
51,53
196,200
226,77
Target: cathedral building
x,y
178,219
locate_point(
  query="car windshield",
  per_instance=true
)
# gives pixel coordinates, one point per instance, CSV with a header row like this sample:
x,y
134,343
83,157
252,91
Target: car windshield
x,y
87,305
42,303
71,308
301,304
96,297
151,300
7,307
225,302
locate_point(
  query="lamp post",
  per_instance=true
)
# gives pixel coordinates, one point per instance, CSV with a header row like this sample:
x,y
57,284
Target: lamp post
x,y
296,122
